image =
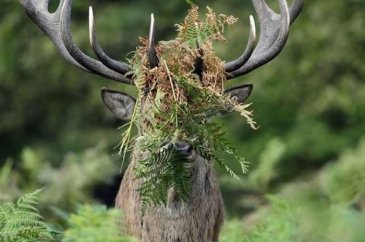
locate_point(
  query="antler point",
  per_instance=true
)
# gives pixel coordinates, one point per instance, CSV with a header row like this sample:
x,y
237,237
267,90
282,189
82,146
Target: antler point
x,y
253,27
91,25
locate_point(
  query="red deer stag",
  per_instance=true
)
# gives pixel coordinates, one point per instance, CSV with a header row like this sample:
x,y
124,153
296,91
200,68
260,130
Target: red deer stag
x,y
198,218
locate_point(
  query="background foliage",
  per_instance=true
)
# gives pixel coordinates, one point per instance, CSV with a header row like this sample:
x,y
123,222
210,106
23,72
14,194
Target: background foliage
x,y
309,102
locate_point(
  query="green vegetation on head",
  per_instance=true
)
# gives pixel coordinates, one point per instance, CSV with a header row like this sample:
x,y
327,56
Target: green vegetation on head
x,y
176,99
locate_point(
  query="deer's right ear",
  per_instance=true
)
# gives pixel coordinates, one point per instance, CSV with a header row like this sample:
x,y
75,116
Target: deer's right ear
x,y
121,104
240,93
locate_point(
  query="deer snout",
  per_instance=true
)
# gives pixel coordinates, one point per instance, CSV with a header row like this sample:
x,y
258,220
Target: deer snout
x,y
185,149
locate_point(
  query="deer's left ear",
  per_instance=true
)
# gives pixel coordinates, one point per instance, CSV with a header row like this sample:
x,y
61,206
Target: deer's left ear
x,y
121,104
241,93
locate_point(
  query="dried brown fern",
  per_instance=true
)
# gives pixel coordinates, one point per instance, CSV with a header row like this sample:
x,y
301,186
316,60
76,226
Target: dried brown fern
x,y
175,96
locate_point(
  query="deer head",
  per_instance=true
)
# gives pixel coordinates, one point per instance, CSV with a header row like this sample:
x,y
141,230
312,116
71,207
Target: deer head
x,y
274,29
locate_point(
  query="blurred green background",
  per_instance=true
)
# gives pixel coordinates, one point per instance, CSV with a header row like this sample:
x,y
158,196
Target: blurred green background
x,y
308,154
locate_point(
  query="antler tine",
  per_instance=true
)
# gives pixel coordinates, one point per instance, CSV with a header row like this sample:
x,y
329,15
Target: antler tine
x,y
117,66
295,9
274,30
93,65
49,23
234,65
152,56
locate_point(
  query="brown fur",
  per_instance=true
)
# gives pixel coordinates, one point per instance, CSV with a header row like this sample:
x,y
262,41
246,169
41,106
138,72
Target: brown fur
x,y
199,219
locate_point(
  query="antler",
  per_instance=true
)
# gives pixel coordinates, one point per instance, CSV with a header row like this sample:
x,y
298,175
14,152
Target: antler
x,y
117,66
274,30
57,27
152,55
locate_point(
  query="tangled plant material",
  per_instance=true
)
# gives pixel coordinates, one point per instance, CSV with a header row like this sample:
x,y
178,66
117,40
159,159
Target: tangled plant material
x,y
179,95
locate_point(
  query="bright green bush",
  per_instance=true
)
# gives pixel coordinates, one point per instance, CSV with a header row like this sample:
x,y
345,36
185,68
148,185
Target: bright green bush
x,y
21,222
95,223
326,207
67,185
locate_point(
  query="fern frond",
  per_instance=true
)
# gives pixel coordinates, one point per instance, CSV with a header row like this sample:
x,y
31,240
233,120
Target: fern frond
x,y
174,96
162,171
21,221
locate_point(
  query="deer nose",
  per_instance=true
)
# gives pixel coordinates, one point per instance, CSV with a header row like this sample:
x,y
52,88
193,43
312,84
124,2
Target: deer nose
x,y
183,148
